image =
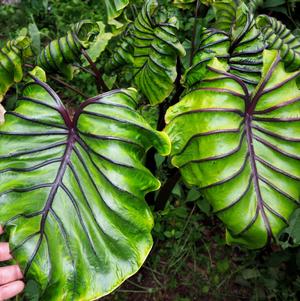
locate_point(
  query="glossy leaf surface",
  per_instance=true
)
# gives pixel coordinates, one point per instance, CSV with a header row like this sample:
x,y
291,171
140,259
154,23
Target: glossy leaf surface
x,y
123,53
225,12
72,192
241,47
242,149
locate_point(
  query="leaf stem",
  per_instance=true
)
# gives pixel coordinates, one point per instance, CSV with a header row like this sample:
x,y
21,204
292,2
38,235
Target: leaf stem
x,y
68,86
165,192
101,86
85,69
194,32
165,105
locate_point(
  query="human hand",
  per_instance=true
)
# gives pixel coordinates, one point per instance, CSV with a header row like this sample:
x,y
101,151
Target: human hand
x,y
10,276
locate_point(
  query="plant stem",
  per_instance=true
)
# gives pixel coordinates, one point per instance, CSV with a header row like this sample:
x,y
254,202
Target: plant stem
x,y
101,86
165,191
68,86
84,69
165,105
194,32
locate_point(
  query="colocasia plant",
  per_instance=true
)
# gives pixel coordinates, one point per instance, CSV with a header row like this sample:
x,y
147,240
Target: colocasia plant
x,y
219,99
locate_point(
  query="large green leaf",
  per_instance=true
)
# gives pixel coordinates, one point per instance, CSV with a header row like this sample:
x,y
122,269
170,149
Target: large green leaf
x,y
60,53
156,48
72,191
11,69
277,36
242,149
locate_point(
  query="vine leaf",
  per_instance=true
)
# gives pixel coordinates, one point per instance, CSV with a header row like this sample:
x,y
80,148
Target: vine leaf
x,y
242,149
59,55
278,37
72,191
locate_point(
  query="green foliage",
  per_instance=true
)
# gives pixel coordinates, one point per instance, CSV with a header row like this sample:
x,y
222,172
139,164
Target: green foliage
x,y
166,50
213,43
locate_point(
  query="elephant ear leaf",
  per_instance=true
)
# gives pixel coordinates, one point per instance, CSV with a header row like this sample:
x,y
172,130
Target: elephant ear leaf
x,y
278,37
242,149
242,48
11,65
226,12
59,55
72,191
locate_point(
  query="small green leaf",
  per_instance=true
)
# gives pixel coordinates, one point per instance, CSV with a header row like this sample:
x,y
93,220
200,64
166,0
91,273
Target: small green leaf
x,y
99,44
115,7
35,36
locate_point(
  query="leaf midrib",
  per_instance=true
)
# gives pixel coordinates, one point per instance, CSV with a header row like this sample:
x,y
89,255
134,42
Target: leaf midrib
x,y
65,160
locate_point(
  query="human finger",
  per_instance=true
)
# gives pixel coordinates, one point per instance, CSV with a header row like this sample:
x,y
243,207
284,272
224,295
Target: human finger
x,y
10,290
9,274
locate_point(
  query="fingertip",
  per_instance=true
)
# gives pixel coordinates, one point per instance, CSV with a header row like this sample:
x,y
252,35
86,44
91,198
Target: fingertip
x,y
20,285
4,251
